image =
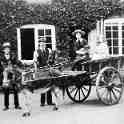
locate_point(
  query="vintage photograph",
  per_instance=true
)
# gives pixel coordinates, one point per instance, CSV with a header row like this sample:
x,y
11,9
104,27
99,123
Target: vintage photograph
x,y
61,61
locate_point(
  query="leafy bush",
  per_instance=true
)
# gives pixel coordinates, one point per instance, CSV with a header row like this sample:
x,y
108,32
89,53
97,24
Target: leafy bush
x,y
66,15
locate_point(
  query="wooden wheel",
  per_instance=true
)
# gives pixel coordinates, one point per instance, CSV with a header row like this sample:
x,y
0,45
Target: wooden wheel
x,y
109,86
78,94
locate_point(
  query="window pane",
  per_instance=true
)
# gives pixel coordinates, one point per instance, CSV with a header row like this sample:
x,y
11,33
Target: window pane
x,y
115,34
115,42
49,42
110,50
108,34
108,28
122,27
48,31
109,43
123,50
122,34
115,50
41,32
115,28
123,42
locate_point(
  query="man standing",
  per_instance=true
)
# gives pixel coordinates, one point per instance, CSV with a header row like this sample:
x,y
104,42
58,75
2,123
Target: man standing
x,y
7,63
41,58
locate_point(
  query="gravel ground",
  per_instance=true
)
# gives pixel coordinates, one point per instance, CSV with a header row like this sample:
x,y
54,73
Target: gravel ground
x,y
89,112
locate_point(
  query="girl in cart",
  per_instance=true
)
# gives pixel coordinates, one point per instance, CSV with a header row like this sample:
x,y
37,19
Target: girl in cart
x,y
79,49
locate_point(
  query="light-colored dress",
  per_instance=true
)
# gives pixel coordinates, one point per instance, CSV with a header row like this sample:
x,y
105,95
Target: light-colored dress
x,y
100,52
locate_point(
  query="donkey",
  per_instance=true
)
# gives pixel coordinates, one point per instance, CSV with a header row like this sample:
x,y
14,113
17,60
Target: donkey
x,y
32,81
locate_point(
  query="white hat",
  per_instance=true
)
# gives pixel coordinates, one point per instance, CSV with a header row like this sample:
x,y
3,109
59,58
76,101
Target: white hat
x,y
6,44
78,31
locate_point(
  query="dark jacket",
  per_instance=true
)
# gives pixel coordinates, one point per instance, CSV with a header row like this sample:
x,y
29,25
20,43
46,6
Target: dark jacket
x,y
74,46
4,63
42,57
80,44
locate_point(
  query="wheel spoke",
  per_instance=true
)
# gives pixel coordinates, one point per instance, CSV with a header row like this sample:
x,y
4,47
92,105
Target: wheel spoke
x,y
117,90
85,88
110,96
72,90
107,96
83,92
114,95
75,93
79,94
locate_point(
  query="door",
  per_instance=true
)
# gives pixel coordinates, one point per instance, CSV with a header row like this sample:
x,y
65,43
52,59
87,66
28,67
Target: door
x,y
27,44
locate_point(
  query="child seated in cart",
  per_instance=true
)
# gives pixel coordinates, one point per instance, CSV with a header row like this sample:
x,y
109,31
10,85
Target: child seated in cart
x,y
101,51
80,48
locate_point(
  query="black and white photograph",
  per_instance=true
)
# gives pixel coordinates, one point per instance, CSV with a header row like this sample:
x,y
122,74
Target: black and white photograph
x,y
61,61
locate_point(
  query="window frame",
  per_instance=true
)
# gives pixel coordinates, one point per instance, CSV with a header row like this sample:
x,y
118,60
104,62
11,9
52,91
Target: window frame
x,y
119,38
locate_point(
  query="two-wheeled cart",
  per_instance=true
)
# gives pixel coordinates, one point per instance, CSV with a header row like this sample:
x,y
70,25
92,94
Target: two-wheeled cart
x,y
105,75
102,73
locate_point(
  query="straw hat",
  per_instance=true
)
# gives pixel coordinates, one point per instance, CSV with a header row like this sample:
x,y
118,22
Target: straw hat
x,y
6,45
78,31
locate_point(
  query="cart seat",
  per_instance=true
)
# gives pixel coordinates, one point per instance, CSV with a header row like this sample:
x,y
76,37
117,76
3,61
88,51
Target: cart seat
x,y
73,73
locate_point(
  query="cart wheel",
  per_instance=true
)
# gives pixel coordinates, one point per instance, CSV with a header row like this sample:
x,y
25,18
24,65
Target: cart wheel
x,y
109,86
78,94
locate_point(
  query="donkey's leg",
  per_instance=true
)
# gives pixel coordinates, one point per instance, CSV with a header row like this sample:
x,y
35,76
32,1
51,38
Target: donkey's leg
x,y
55,92
26,102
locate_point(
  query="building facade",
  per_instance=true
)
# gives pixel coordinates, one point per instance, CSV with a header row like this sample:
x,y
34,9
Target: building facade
x,y
112,31
28,37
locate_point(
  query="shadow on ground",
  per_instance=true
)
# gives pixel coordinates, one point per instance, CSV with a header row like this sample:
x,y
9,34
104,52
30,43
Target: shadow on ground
x,y
90,102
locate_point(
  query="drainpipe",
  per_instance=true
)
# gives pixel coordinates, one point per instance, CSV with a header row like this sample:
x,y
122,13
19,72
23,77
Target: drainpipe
x,y
98,30
102,30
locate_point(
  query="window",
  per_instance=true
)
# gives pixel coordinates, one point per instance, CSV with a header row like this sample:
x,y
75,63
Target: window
x,y
45,33
48,32
112,37
28,37
41,32
122,38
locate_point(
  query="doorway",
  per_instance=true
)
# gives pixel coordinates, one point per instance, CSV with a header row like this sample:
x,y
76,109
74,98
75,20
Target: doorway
x,y
27,44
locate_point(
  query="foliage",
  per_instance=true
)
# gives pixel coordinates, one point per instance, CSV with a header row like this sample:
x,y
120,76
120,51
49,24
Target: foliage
x,y
13,14
69,15
66,15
